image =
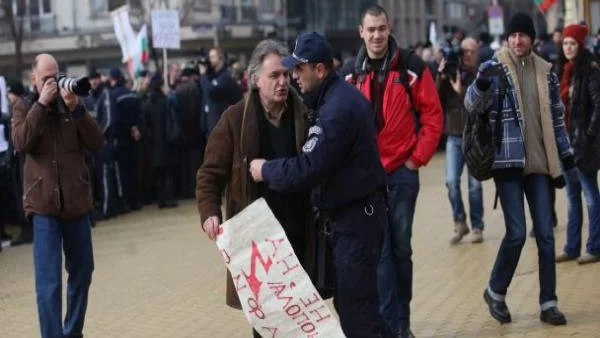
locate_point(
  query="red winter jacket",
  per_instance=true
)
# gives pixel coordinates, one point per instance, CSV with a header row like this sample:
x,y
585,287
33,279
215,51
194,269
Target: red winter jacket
x,y
398,140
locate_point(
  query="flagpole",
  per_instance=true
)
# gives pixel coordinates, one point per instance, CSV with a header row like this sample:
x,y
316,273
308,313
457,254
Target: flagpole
x,y
165,75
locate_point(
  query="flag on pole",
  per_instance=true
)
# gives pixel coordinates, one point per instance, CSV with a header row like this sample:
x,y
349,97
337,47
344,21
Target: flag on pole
x,y
543,5
140,55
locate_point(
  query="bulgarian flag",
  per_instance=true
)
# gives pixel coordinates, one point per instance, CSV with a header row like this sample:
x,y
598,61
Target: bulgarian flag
x,y
543,5
140,55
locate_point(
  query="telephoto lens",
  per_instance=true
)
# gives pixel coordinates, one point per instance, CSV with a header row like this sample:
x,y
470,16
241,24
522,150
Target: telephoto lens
x,y
78,86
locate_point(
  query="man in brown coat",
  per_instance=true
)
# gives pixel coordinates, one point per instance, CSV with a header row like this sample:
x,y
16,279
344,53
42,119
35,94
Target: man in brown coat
x,y
51,133
269,122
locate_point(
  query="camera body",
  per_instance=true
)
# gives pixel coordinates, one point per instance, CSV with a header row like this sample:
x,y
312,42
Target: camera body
x,y
452,53
78,86
496,70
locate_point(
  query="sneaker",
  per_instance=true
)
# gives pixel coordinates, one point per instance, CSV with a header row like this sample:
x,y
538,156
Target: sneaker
x,y
460,230
564,257
477,236
588,258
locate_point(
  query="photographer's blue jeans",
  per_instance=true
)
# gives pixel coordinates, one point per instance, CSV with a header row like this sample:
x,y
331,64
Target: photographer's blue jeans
x,y
455,162
512,194
588,183
395,271
74,236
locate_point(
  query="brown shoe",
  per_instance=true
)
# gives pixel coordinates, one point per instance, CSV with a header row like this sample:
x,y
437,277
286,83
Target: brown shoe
x,y
588,258
477,236
564,257
460,230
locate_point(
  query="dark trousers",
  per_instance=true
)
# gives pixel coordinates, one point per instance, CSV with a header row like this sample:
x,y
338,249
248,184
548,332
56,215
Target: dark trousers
x,y
396,266
164,183
537,188
75,239
126,155
190,160
358,233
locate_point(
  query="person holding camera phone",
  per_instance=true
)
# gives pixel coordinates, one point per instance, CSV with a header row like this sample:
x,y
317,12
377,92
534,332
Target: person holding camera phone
x,y
451,90
57,195
533,147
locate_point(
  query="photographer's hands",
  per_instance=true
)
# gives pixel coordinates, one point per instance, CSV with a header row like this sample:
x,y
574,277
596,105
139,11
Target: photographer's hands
x,y
48,93
70,99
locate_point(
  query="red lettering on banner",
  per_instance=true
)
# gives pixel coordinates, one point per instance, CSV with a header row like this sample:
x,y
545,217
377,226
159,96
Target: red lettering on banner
x,y
226,256
252,279
238,285
289,269
279,288
272,331
308,327
321,318
310,302
276,244
255,308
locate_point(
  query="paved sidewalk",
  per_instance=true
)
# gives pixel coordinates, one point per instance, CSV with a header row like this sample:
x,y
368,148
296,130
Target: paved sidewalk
x,y
157,276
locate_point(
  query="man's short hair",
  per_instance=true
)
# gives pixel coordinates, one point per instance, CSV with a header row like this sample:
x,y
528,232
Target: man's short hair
x,y
374,10
219,51
328,65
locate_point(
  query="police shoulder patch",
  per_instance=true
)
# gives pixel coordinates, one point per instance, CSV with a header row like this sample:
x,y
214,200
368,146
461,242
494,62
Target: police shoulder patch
x,y
315,130
309,146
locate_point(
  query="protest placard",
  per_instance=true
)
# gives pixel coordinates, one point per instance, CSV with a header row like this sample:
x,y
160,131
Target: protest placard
x,y
276,294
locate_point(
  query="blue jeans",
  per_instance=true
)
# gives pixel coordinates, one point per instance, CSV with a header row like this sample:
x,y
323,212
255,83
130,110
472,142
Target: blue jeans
x,y
395,271
455,162
511,192
588,183
76,240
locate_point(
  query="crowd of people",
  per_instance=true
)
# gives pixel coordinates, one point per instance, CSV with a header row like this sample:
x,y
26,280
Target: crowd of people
x,y
372,120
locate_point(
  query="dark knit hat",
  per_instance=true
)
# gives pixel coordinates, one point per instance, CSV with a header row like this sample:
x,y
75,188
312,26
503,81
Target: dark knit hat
x,y
521,23
577,32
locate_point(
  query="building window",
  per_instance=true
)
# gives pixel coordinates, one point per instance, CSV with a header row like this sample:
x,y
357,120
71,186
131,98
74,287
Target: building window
x,y
114,4
266,6
98,7
203,5
456,11
429,7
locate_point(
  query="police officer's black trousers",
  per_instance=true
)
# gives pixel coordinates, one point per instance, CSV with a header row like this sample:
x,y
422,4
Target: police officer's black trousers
x,y
357,241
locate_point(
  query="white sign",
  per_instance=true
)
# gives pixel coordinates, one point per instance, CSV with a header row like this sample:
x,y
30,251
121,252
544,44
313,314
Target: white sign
x,y
496,20
276,294
3,96
165,28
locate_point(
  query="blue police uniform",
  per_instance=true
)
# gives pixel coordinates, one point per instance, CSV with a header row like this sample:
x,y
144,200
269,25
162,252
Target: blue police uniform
x,y
340,163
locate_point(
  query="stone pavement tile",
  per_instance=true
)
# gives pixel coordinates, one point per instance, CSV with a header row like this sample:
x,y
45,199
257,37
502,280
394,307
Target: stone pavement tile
x,y
158,276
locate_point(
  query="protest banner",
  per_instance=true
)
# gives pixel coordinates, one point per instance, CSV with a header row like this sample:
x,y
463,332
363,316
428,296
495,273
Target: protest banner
x,y
276,294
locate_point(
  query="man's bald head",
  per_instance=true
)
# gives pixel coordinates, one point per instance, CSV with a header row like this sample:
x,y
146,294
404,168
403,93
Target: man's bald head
x,y
44,67
470,52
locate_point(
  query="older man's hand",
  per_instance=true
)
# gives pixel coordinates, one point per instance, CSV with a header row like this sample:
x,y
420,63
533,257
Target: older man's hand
x,y
256,169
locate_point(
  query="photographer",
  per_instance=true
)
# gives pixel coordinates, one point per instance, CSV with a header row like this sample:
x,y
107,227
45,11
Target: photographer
x,y
51,134
451,84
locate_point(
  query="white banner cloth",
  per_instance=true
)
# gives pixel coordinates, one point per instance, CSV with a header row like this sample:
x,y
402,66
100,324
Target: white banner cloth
x,y
277,295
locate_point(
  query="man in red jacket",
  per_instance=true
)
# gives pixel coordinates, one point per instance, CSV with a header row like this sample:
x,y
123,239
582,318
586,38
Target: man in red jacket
x,y
409,122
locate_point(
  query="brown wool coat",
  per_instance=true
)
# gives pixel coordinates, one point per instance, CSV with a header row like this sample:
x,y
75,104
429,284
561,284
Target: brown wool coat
x,y
56,180
232,145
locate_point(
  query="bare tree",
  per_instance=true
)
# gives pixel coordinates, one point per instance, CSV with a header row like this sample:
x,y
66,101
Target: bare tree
x,y
15,25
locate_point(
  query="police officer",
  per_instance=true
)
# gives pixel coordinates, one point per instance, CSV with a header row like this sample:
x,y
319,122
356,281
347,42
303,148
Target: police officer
x,y
340,163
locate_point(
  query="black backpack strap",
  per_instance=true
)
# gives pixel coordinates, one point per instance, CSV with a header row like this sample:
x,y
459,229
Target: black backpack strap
x,y
407,62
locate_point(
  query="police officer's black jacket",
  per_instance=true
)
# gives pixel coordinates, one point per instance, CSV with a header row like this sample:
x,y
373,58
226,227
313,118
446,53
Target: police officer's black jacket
x,y
339,160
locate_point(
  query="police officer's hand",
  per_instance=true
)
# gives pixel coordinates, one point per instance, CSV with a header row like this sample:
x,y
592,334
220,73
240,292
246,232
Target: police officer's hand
x,y
211,227
70,99
256,169
48,93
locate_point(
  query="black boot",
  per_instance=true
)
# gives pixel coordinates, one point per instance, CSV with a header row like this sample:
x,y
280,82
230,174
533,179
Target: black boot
x,y
26,236
553,316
